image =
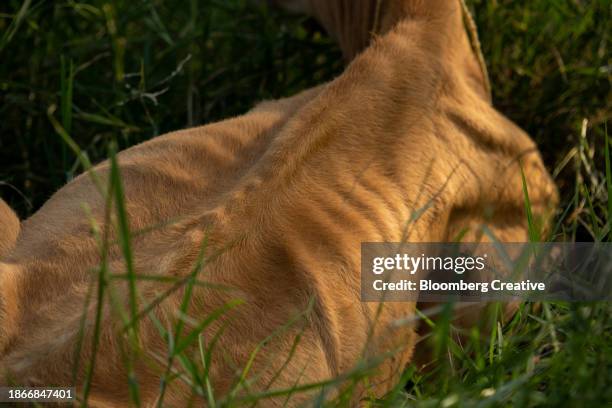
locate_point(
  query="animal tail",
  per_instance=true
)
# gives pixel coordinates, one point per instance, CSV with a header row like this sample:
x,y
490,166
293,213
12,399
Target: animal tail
x,y
9,229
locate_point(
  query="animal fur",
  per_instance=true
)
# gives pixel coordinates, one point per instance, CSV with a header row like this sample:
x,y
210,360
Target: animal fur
x,y
280,198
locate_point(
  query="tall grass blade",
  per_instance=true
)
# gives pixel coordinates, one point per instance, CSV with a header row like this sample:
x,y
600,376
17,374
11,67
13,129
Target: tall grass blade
x,y
608,180
534,235
124,236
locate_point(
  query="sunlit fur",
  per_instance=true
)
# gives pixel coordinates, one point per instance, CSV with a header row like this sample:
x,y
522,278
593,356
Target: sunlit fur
x,y
281,199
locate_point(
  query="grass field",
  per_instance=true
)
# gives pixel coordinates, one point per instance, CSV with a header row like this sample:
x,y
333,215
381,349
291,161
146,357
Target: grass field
x,y
120,72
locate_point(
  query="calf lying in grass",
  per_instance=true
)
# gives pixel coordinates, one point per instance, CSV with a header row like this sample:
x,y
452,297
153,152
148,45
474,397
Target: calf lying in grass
x,y
222,262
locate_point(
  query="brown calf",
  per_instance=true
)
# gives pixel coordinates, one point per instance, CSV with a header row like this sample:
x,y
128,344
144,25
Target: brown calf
x,y
280,198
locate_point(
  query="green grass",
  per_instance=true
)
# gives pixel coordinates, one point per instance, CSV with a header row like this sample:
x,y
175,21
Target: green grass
x,y
80,80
